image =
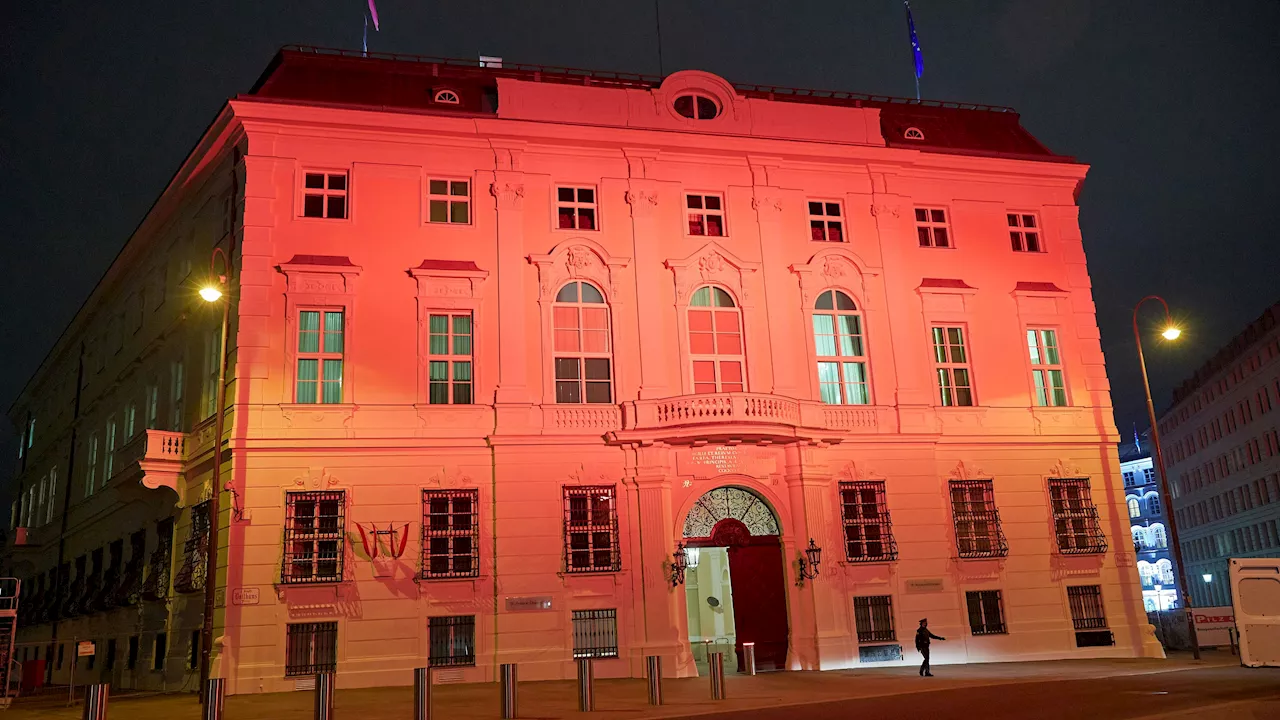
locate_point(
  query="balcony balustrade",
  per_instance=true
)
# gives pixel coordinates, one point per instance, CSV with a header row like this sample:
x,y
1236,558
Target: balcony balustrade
x,y
162,459
746,416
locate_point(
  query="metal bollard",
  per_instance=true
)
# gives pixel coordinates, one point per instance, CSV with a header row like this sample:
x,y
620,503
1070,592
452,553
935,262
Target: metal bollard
x,y
422,693
654,663
716,661
586,685
749,658
324,696
95,701
508,680
215,697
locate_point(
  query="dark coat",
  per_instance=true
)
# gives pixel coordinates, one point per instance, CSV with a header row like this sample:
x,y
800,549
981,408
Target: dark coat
x,y
922,638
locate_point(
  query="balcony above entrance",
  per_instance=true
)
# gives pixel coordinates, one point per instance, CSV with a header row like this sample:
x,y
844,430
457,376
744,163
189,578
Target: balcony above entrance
x,y
162,459
746,417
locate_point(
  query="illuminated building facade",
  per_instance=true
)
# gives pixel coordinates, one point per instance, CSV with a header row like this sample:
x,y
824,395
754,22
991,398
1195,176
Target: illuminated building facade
x,y
505,338
1149,528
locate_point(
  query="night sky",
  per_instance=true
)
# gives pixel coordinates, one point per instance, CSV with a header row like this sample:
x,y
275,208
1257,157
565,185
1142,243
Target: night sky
x,y
1172,104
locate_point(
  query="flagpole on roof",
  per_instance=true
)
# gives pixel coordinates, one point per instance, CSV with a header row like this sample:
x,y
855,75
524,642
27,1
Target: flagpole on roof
x,y
916,56
373,12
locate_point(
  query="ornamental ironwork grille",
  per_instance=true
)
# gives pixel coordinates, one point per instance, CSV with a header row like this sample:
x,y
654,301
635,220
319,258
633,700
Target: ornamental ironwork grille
x,y
873,616
452,640
195,552
977,522
986,612
1086,607
313,536
311,648
729,502
450,533
1075,518
868,530
156,586
595,634
591,529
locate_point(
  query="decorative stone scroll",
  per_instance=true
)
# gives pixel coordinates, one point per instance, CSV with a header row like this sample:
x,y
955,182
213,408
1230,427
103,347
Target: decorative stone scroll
x,y
833,268
579,259
711,264
963,472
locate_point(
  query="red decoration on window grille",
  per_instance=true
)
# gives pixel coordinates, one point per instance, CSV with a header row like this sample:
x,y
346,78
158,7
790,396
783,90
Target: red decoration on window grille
x,y
396,547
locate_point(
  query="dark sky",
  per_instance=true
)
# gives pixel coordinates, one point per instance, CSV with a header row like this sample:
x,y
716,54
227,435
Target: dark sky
x,y
1172,104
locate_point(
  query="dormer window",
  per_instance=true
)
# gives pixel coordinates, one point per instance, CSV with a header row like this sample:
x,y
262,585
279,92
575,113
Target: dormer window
x,y
913,134
447,97
697,107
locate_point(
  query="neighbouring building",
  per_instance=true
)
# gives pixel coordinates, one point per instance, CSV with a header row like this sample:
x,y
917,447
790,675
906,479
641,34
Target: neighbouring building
x,y
1156,566
1222,453
503,339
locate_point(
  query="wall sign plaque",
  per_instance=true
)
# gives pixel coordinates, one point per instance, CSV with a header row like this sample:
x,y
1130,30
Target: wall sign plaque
x,y
528,604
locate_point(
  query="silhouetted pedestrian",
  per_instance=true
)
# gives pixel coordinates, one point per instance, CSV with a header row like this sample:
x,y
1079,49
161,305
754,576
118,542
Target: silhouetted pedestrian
x,y
922,645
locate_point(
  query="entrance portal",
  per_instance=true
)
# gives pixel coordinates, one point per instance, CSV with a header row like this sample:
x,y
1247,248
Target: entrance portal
x,y
739,555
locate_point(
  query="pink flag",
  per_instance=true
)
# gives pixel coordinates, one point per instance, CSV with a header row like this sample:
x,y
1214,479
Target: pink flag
x,y
373,12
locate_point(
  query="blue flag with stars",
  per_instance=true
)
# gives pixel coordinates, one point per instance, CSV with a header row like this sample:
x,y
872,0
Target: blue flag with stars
x,y
915,42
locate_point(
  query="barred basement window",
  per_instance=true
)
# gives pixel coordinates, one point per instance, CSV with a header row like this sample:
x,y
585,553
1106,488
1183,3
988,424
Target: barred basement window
x,y
868,531
1086,607
310,648
873,616
1075,518
450,533
313,537
452,640
986,612
195,552
591,530
977,521
595,634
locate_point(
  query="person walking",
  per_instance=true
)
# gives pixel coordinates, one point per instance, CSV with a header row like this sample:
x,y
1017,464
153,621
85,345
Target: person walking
x,y
922,645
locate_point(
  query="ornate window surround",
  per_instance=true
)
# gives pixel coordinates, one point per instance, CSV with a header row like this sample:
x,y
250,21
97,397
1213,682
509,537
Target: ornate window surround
x,y
319,282
449,286
838,268
713,265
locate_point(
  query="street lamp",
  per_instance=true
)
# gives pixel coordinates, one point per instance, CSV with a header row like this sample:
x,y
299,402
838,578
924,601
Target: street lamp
x,y
1171,332
217,290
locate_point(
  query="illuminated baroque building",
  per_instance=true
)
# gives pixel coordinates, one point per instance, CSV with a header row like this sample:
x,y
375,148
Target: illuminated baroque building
x,y
1148,526
503,338
1222,452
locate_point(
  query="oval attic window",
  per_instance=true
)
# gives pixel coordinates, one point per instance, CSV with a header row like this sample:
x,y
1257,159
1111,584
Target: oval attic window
x,y
696,107
913,134
448,97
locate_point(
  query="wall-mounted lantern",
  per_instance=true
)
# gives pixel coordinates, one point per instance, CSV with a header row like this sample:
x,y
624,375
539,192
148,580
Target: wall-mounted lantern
x,y
810,562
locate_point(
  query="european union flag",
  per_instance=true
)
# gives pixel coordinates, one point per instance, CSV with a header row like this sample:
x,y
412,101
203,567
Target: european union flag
x,y
915,42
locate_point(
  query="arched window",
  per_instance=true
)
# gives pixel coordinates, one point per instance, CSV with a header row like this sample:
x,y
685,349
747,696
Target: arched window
x,y
1165,568
447,97
1147,573
1139,536
1135,509
1156,536
912,133
715,342
696,107
842,356
1153,503
581,345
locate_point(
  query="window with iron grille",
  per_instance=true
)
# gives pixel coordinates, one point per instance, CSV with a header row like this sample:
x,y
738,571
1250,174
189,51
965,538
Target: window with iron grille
x,y
156,586
1075,518
986,612
973,509
591,529
595,633
873,616
453,640
450,533
313,536
310,648
868,531
1086,607
195,552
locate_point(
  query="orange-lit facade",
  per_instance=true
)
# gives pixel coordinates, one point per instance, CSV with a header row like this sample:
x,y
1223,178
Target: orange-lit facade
x,y
503,339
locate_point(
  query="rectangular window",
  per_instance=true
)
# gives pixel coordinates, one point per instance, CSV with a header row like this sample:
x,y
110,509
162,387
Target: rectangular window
x,y
324,195
838,345
310,648
595,634
131,660
177,383
986,612
130,421
161,650
193,651
1075,518
868,531
151,400
449,364
109,453
449,201
314,529
91,468
1086,607
931,227
952,365
826,224
452,640
450,533
706,215
576,208
320,354
873,616
1046,368
582,344
977,521
1024,232
591,529
212,346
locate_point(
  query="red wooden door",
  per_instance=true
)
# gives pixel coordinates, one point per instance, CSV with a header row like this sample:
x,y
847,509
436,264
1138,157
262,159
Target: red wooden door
x,y
759,601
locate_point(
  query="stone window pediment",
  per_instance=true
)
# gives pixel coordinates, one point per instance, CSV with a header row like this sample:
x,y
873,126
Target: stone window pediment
x,y
712,264
579,259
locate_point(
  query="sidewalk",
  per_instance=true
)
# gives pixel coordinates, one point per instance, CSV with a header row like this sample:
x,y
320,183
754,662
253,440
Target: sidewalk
x,y
627,698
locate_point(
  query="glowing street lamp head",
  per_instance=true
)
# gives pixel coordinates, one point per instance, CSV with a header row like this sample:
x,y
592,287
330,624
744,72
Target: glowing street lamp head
x,y
1171,333
210,294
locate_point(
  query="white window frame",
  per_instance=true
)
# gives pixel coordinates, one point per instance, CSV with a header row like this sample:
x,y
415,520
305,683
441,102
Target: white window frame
x,y
702,212
320,356
1045,354
177,387
53,485
823,220
109,452
932,224
326,193
839,360
576,206
452,359
948,391
91,469
449,199
1022,235
718,357
581,355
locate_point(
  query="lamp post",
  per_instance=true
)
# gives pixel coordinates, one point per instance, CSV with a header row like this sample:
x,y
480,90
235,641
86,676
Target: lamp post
x,y
212,294
1171,332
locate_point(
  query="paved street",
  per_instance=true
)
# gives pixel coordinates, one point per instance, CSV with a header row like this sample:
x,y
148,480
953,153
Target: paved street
x,y
1177,688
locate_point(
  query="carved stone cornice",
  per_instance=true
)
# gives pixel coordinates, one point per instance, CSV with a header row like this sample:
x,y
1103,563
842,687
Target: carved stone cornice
x,y
579,259
712,264
834,267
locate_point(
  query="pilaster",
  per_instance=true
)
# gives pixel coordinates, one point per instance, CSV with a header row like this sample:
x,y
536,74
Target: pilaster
x,y
784,331
643,197
508,191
